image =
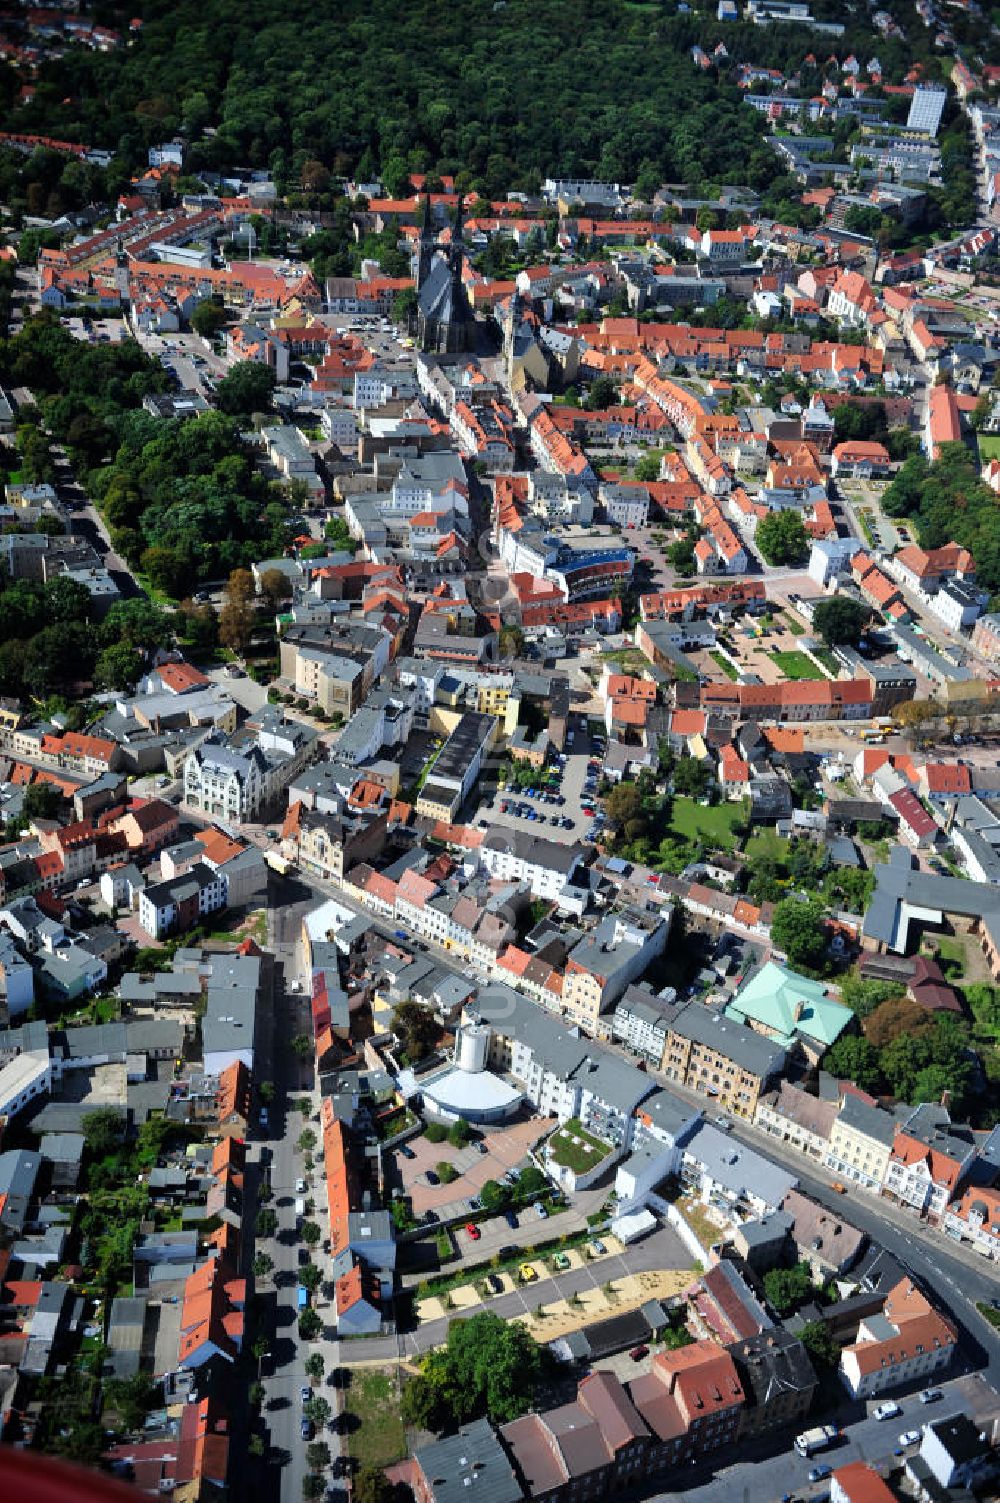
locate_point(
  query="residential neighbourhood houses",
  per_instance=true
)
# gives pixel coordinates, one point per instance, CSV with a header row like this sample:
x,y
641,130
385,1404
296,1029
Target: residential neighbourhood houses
x,y
500,848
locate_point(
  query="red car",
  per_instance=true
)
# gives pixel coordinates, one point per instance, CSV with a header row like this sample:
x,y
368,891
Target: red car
x,y
588,809
473,1231
653,877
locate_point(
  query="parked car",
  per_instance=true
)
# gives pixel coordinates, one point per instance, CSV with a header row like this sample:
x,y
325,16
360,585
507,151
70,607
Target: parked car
x,y
305,1392
527,1273
407,1151
540,1211
494,1283
300,1186
821,1472
511,1220
431,1177
473,1231
889,1410
638,1352
306,1429
560,1260
596,1248
930,1395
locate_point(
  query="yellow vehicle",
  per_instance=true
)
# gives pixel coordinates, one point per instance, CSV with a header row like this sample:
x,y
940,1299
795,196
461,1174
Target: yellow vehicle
x,y
528,1274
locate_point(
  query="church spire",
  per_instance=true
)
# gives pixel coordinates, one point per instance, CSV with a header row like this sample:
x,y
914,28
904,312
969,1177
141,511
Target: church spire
x,y
427,243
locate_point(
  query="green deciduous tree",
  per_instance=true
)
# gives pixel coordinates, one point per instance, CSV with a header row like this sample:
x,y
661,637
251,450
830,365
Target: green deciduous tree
x,y
104,1130
310,1277
416,1028
208,318
310,1325
781,538
487,1367
267,1222
117,667
248,388
788,1288
824,1351
371,1485
800,930
317,1410
841,619
493,1196
854,1059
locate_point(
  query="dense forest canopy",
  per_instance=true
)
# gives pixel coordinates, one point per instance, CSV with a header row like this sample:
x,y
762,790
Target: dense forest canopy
x,y
500,94
505,94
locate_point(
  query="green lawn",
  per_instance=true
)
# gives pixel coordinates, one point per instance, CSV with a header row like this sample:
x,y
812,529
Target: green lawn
x,y
795,665
988,1313
951,955
373,1401
576,1148
795,627
628,659
724,664
825,656
989,445
713,824
767,845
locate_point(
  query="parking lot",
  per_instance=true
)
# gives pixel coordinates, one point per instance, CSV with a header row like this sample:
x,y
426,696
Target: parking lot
x,y
506,1148
194,365
556,808
651,543
864,499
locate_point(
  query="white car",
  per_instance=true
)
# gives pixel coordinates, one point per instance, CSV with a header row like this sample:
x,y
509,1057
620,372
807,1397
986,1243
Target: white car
x,y
909,1438
300,1187
889,1410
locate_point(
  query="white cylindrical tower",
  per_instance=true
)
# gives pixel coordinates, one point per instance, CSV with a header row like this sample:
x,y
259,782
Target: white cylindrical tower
x,y
471,1047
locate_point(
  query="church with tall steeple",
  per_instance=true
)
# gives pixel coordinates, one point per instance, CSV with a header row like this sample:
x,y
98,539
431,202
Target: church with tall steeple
x,y
445,321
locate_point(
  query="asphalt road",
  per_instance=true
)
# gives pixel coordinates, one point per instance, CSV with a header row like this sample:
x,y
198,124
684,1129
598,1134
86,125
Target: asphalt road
x,y
284,1373
772,1469
87,523
956,1276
